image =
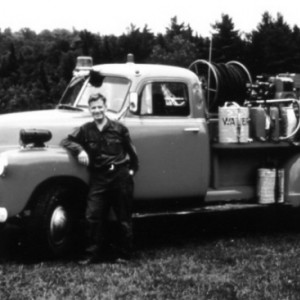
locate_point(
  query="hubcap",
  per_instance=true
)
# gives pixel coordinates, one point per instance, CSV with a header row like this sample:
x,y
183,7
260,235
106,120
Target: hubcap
x,y
59,225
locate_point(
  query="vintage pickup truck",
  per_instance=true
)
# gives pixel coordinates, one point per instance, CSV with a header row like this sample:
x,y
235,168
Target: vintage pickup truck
x,y
182,164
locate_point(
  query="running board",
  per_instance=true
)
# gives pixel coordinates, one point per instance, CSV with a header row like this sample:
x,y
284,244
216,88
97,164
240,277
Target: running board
x,y
226,194
210,209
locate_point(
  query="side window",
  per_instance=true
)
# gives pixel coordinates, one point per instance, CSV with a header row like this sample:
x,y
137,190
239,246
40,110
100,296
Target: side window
x,y
164,99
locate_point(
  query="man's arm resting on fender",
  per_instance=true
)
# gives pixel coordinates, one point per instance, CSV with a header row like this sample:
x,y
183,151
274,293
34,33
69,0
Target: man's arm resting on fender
x,y
72,146
76,150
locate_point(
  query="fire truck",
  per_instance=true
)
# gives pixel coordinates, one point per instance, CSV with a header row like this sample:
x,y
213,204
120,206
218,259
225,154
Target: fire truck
x,y
202,140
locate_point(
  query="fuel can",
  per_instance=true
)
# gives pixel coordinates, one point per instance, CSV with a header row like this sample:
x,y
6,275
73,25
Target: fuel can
x,y
233,123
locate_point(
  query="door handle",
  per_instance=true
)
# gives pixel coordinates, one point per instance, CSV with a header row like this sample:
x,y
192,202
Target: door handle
x,y
192,129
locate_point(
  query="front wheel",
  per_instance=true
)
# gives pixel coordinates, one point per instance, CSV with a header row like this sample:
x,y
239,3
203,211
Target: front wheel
x,y
54,221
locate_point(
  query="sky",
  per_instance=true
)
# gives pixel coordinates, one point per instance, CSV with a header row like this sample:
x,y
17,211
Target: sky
x,y
115,16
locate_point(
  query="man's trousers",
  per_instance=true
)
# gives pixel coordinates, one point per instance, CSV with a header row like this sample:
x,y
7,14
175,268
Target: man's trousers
x,y
110,189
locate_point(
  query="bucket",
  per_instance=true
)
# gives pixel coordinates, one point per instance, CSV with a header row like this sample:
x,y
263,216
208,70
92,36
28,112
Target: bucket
x,y
266,186
233,123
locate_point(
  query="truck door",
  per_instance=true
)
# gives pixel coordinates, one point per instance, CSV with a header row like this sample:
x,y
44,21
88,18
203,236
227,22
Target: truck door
x,y
172,145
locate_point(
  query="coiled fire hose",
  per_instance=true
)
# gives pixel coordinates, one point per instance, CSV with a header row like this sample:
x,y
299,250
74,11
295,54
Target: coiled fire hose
x,y
222,82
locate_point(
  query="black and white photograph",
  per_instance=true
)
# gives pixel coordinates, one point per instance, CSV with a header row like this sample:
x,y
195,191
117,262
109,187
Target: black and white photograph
x,y
150,150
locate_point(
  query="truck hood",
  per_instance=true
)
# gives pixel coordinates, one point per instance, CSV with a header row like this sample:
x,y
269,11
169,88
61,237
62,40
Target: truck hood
x,y
59,121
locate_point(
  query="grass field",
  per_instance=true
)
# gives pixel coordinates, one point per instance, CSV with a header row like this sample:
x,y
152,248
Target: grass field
x,y
236,255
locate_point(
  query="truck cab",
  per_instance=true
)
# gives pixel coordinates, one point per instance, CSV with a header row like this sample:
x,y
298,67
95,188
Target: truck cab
x,y
163,107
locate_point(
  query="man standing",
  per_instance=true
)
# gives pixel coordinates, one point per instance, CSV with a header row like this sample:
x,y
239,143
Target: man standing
x,y
105,147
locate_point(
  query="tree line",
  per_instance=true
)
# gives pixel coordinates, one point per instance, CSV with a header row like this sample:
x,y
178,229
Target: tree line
x,y
36,68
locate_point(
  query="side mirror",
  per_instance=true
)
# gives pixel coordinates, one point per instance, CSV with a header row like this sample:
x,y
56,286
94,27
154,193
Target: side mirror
x,y
133,102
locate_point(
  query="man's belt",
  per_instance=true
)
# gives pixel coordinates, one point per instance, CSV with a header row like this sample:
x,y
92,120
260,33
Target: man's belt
x,y
114,167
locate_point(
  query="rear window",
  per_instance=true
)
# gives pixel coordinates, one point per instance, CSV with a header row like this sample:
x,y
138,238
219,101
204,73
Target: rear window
x,y
164,99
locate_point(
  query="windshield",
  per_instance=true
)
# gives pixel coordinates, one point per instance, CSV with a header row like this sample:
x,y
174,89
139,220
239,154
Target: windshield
x,y
114,89
71,93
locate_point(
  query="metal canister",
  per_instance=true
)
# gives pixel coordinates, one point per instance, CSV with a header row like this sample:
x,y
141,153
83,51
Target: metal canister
x,y
280,186
258,123
289,120
266,186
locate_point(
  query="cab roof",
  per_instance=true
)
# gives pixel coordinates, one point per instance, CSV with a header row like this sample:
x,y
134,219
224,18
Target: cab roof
x,y
132,70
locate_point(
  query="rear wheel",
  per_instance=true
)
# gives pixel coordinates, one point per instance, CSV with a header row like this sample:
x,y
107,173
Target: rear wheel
x,y
54,221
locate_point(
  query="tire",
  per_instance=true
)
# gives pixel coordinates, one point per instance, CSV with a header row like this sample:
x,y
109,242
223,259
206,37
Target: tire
x,y
54,221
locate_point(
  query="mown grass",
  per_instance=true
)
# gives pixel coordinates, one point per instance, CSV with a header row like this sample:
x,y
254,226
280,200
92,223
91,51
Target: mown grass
x,y
212,257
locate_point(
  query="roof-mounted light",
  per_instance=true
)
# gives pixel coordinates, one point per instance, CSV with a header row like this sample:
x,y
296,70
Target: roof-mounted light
x,y
130,58
83,65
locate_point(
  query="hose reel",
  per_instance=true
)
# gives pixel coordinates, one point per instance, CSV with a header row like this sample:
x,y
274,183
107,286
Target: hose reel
x,y
222,81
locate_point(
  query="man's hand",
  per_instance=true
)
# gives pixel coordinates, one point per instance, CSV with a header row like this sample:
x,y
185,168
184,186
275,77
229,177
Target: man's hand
x,y
83,158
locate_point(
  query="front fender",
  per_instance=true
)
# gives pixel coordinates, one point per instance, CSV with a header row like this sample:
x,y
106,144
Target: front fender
x,y
292,180
28,168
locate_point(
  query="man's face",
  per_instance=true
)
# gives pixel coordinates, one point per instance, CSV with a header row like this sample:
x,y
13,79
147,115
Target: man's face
x,y
97,109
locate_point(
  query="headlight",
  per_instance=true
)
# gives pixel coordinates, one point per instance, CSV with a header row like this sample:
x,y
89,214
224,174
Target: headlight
x,y
3,214
3,164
